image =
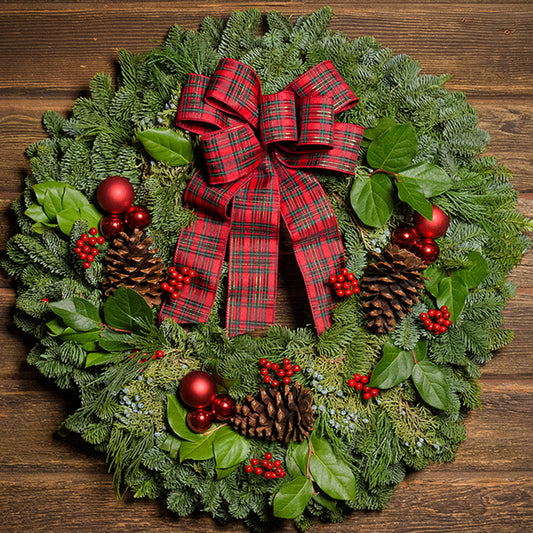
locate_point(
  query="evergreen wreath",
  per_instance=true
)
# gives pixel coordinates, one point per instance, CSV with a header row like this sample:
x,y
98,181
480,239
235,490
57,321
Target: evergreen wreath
x,y
383,391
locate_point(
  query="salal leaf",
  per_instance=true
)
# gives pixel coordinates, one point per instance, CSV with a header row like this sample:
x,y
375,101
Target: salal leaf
x,y
172,446
230,448
225,472
78,313
70,334
393,150
91,215
394,367
67,218
299,453
410,193
373,199
452,293
198,450
430,179
431,384
167,146
383,124
121,308
73,198
113,341
332,475
435,275
52,203
177,419
477,270
98,358
56,326
36,213
292,498
326,501
54,187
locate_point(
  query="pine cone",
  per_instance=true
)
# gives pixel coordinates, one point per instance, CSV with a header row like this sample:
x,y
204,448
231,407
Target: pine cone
x,y
131,262
390,287
281,415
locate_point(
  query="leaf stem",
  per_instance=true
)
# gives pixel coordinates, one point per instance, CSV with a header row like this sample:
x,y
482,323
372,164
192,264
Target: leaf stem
x,y
308,471
116,329
414,356
382,171
207,433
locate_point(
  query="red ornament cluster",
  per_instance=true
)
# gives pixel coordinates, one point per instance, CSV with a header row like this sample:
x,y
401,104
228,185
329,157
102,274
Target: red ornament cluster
x,y
359,382
344,284
437,321
178,279
283,372
86,247
268,468
199,391
420,238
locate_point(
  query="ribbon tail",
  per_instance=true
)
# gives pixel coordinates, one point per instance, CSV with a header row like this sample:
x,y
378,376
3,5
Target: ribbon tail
x,y
315,235
254,242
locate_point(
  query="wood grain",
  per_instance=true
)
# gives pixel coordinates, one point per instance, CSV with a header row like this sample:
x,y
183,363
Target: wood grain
x,y
49,51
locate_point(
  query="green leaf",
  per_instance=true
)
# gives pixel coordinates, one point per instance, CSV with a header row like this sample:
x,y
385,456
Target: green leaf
x,y
225,472
299,453
452,293
326,501
332,475
167,146
56,326
476,272
230,448
198,450
98,358
412,194
172,446
292,498
431,179
113,341
70,334
431,384
421,350
91,215
52,203
67,218
123,306
394,367
435,275
78,313
384,124
55,187
177,419
373,199
36,212
72,198
393,150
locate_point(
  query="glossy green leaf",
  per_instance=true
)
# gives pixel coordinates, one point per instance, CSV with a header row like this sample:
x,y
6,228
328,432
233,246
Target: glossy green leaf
x,y
167,146
225,472
430,179
393,150
56,326
172,446
477,270
198,450
299,453
230,448
81,337
78,313
72,198
55,187
177,419
52,203
435,275
431,384
452,293
98,358
372,199
394,367
292,498
325,501
331,474
123,306
91,215
113,341
410,193
384,124
36,213
67,218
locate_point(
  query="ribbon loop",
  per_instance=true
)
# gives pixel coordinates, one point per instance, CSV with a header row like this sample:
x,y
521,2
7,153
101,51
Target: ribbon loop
x,y
258,151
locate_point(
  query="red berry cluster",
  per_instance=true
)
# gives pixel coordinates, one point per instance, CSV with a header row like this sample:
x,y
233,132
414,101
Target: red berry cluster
x,y
282,372
268,469
157,355
85,247
178,280
344,284
437,321
360,383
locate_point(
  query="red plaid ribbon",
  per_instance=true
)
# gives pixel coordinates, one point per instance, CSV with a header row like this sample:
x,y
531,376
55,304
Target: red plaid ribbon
x,y
258,149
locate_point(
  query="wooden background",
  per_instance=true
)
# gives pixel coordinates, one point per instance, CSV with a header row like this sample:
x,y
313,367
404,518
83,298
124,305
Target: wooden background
x,y
48,53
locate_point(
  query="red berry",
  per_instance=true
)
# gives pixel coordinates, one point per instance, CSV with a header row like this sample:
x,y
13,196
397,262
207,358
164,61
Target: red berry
x,y
100,240
264,371
344,271
80,243
249,469
350,276
346,285
374,392
340,278
340,293
179,286
254,461
159,354
93,231
90,258
443,329
84,237
430,326
277,464
258,471
268,456
367,396
347,292
351,383
275,366
286,380
337,286
358,385
274,383
357,377
86,249
356,290
262,361
427,322
286,361
447,323
431,312
444,308
45,300
296,368
86,264
366,388
267,379
423,316
364,379
446,315
273,475
185,271
264,463
281,372
289,373
438,314
281,474
268,364
332,279
77,250
94,251
441,321
175,295
187,280
267,475
192,273
92,241
83,256
171,269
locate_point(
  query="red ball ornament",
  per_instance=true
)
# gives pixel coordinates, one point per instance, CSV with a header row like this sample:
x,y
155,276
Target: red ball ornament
x,y
137,216
199,420
115,194
432,229
111,226
428,250
223,407
405,237
198,389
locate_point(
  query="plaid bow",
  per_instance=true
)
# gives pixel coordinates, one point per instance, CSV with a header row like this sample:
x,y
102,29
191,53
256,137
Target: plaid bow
x,y
257,150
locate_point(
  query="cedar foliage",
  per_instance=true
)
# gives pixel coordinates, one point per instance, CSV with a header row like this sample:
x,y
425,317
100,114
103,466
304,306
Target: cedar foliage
x,y
380,440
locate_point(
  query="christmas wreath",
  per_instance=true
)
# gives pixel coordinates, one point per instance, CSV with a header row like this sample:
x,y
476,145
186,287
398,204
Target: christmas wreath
x,y
148,253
